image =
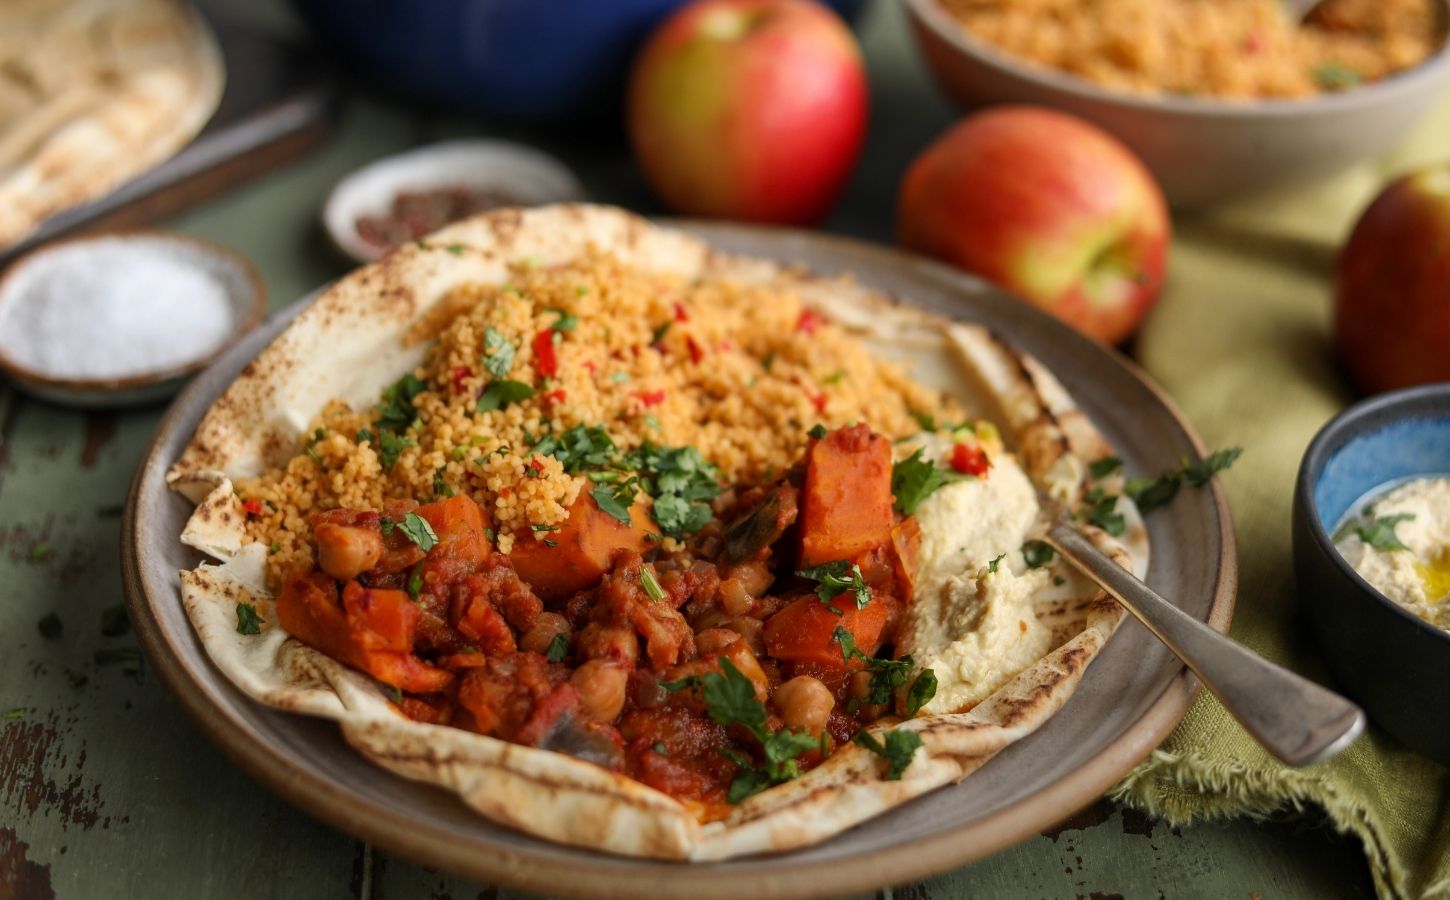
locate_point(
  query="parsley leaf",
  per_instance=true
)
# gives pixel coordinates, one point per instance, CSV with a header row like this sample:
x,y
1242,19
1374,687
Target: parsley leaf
x,y
498,357
835,578
558,648
926,420
1380,533
898,750
248,622
682,483
414,587
818,432
567,321
416,529
914,479
1037,554
887,675
1198,474
1336,76
1102,468
580,447
992,566
501,393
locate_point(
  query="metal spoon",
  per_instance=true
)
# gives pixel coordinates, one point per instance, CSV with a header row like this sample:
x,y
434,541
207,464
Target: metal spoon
x,y
1295,719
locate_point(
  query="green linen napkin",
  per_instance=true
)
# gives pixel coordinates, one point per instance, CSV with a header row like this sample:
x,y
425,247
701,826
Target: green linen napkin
x,y
1241,340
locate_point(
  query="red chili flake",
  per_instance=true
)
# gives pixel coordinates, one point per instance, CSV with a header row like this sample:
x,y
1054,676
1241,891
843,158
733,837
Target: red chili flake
x,y
970,460
696,353
809,321
1253,42
590,367
253,506
536,464
818,400
555,396
651,398
546,361
460,373
680,314
725,346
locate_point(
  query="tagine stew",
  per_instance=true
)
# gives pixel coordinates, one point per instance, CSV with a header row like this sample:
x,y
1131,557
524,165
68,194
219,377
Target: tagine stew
x,y
733,662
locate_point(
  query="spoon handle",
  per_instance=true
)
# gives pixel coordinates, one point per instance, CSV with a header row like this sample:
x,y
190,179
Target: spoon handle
x,y
1295,719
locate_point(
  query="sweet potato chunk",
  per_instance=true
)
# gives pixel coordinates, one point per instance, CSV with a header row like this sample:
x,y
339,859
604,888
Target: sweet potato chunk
x,y
846,504
459,524
558,563
804,631
370,629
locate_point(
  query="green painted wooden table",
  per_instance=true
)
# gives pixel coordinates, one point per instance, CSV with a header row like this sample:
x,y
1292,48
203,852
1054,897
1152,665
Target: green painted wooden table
x,y
106,789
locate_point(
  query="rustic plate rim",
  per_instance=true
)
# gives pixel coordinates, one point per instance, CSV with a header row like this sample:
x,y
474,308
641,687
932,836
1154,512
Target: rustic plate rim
x,y
610,877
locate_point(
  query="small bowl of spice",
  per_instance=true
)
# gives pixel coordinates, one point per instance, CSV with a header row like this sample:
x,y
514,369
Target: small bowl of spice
x,y
401,198
1372,558
122,319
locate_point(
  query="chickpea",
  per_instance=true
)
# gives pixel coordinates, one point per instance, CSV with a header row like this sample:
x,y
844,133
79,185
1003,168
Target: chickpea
x,y
601,685
804,703
714,640
752,630
860,689
615,642
546,627
734,599
754,576
346,551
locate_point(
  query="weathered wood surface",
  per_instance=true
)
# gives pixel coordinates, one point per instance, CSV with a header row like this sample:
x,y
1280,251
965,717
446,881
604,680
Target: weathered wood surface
x,y
106,789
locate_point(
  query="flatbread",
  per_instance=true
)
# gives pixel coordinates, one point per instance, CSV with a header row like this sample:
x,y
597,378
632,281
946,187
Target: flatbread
x,y
93,93
348,345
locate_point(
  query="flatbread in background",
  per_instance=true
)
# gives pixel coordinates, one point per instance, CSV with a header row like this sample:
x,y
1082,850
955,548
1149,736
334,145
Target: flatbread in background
x,y
92,94
349,345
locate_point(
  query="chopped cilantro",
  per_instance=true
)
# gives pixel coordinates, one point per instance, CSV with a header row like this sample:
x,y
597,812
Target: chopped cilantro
x,y
441,487
1104,514
660,332
396,412
455,249
650,585
114,621
887,675
416,529
818,432
898,750
558,648
50,626
926,420
660,748
615,499
767,362
364,436
1152,493
567,321
914,479
1037,554
921,692
501,393
1336,76
835,578
619,377
414,587
730,700
1380,533
580,447
550,543
652,421
835,377
248,622
682,483
311,448
992,566
1102,468
498,356
390,447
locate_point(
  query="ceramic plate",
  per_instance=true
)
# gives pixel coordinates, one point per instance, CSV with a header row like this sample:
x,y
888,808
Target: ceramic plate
x,y
1132,696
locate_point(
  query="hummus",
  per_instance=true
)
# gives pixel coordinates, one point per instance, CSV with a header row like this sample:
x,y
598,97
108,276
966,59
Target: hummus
x,y
1400,543
974,620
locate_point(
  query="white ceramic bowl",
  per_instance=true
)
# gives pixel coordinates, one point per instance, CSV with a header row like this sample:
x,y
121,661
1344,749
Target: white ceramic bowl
x,y
534,178
244,289
1201,150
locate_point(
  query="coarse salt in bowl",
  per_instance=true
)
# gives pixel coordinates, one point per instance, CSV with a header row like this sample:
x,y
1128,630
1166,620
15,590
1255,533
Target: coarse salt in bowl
x,y
123,318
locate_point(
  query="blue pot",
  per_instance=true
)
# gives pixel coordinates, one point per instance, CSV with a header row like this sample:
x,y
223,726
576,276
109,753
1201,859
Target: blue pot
x,y
530,60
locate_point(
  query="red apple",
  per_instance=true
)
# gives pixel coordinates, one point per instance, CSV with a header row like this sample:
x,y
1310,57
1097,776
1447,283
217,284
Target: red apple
x,y
749,109
1392,297
1047,206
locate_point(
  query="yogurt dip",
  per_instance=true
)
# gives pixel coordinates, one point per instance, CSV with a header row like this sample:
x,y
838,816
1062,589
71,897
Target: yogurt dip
x,y
1399,542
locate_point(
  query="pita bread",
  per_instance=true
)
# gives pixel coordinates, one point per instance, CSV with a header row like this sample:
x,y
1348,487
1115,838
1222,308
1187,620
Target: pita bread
x,y
361,321
93,93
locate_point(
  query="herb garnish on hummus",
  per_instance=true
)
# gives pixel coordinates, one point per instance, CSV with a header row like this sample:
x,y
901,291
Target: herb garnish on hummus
x,y
1400,544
